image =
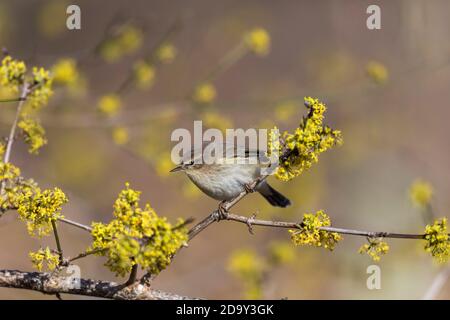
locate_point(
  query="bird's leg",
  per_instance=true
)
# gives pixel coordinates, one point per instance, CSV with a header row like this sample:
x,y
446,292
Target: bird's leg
x,y
222,210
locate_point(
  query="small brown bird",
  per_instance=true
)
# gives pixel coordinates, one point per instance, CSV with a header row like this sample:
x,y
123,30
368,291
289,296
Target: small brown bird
x,y
225,177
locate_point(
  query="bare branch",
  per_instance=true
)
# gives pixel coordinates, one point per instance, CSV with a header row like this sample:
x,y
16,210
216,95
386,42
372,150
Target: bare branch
x,y
76,224
58,243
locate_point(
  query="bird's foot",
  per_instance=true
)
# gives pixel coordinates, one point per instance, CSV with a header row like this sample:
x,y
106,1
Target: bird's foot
x,y
249,188
222,211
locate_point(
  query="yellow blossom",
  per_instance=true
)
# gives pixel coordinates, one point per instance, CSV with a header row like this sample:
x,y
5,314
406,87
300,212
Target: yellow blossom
x,y
166,53
301,149
249,268
44,256
33,133
65,72
312,234
41,87
258,41
40,208
421,193
205,93
128,39
437,240
2,149
164,164
120,135
374,249
144,74
12,72
8,171
377,72
109,104
246,263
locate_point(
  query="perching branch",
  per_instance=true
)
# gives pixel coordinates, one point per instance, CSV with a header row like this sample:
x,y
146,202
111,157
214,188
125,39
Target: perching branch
x,y
53,284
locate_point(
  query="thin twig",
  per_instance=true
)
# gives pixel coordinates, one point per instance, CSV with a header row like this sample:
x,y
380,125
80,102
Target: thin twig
x,y
75,224
296,225
86,253
58,243
12,132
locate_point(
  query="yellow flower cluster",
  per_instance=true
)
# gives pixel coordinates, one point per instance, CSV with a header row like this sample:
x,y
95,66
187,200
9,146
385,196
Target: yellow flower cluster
x,y
14,186
421,193
374,249
437,240
137,236
205,93
377,72
12,73
41,87
40,208
258,41
65,72
109,105
8,171
249,268
44,256
303,146
128,39
311,234
2,149
34,134
166,53
144,74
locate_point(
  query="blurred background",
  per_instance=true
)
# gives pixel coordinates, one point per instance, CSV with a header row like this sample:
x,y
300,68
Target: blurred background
x,y
139,69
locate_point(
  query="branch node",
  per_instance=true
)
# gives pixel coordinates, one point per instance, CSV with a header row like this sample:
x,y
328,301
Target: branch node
x,y
249,223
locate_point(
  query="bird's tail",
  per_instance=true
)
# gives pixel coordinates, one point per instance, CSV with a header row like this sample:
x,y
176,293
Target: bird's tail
x,y
273,196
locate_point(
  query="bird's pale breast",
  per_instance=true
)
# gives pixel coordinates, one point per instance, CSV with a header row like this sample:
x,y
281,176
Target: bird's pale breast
x,y
224,182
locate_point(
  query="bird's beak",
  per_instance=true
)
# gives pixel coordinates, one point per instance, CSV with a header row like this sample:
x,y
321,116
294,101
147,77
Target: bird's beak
x,y
177,168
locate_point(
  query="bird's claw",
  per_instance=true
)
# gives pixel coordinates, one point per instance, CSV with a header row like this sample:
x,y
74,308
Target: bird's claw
x,y
222,211
249,188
